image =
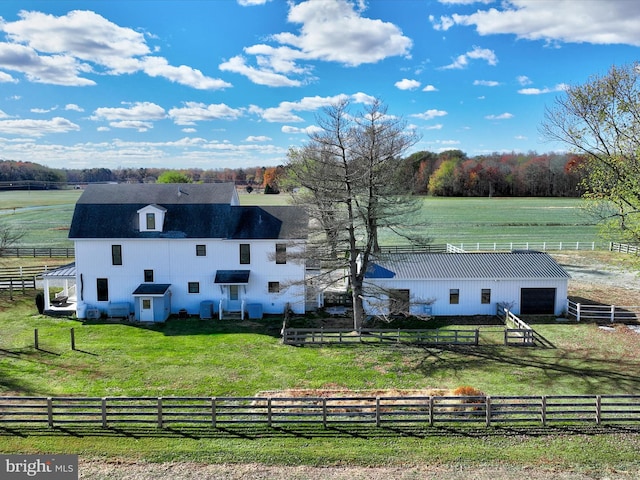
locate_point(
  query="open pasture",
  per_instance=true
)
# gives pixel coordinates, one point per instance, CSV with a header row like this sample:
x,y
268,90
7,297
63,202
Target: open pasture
x,y
45,216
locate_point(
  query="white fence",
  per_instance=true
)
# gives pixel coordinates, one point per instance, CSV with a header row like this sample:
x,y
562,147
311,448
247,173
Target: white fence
x,y
322,411
599,313
633,249
510,246
323,336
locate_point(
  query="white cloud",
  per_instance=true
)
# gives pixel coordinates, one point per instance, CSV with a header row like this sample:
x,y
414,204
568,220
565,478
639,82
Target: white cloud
x,y
329,31
502,116
541,91
298,130
6,78
284,112
462,61
257,138
133,124
193,112
139,111
37,128
606,23
55,50
430,114
486,83
434,127
430,88
363,98
250,3
189,130
523,80
406,84
74,107
43,110
3,114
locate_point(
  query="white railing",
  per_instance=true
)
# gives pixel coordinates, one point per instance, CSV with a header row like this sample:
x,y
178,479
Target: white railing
x,y
510,246
598,313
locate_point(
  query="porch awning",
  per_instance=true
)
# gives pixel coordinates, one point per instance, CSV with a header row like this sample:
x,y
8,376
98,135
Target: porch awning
x,y
151,289
232,277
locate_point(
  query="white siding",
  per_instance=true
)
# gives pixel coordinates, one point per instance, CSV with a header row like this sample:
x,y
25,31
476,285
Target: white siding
x,y
174,261
470,292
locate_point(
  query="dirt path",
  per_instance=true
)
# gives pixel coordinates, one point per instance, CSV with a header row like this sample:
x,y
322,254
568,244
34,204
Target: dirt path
x,y
193,471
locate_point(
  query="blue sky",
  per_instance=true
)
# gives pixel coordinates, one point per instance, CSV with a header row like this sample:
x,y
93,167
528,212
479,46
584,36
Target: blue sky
x,y
235,83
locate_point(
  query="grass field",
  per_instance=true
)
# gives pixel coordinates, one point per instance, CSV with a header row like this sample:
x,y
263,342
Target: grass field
x,y
45,216
210,358
205,358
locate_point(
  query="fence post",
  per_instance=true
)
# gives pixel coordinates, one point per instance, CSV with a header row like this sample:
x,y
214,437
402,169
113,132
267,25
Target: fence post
x,y
159,412
73,339
598,409
543,410
324,412
214,419
431,402
50,411
269,412
488,411
378,420
613,313
578,312
35,339
477,339
104,412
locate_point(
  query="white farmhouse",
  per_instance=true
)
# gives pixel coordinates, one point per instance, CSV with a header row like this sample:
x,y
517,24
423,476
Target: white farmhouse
x,y
151,250
454,284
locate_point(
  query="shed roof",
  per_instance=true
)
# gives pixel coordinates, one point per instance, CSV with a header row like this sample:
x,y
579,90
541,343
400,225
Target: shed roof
x,y
495,265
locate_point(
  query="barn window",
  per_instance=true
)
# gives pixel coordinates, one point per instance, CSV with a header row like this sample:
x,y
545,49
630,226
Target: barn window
x,y
116,254
274,287
245,253
201,250
151,221
281,253
454,296
148,276
102,285
194,287
485,295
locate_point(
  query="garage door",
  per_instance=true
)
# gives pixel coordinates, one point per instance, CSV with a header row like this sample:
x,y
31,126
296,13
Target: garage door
x,y
537,301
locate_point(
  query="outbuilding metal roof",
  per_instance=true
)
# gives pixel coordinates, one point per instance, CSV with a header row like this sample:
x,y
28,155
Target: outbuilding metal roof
x,y
424,266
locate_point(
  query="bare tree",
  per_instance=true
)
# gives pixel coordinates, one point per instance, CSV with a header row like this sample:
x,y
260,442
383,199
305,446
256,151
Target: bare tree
x,y
9,236
346,171
600,120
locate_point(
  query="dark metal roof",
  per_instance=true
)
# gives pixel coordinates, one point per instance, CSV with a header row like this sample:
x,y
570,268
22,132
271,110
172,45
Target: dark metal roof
x,y
65,271
159,193
100,214
152,289
420,266
232,277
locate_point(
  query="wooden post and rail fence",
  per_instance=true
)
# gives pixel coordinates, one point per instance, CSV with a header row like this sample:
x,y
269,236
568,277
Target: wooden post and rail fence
x,y
107,412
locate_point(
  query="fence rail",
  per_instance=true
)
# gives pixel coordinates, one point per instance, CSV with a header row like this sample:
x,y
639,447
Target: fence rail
x,y
633,249
600,313
378,410
511,246
322,336
49,252
19,278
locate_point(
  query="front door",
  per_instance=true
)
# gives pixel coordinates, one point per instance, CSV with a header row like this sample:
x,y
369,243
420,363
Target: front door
x,y
146,309
234,302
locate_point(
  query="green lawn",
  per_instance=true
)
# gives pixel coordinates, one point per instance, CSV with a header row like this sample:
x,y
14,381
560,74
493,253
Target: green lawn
x,y
193,357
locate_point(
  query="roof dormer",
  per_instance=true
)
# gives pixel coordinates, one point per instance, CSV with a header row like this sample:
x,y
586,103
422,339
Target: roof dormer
x,y
151,218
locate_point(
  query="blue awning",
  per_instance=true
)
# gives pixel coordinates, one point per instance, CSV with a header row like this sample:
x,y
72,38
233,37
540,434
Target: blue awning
x,y
232,277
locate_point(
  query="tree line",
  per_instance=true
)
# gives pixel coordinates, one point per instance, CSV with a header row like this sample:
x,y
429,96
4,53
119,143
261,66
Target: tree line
x,y
450,173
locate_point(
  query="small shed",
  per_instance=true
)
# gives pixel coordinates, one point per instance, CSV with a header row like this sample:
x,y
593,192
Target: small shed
x,y
65,301
462,284
152,302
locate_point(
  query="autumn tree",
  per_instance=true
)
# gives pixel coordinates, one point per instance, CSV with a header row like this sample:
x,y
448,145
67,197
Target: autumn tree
x,y
346,171
600,120
172,176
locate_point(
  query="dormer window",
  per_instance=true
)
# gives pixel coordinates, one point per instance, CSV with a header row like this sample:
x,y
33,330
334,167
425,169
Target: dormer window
x,y
151,218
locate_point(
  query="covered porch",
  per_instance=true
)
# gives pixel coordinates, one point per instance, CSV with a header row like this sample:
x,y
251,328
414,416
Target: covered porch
x,y
64,302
